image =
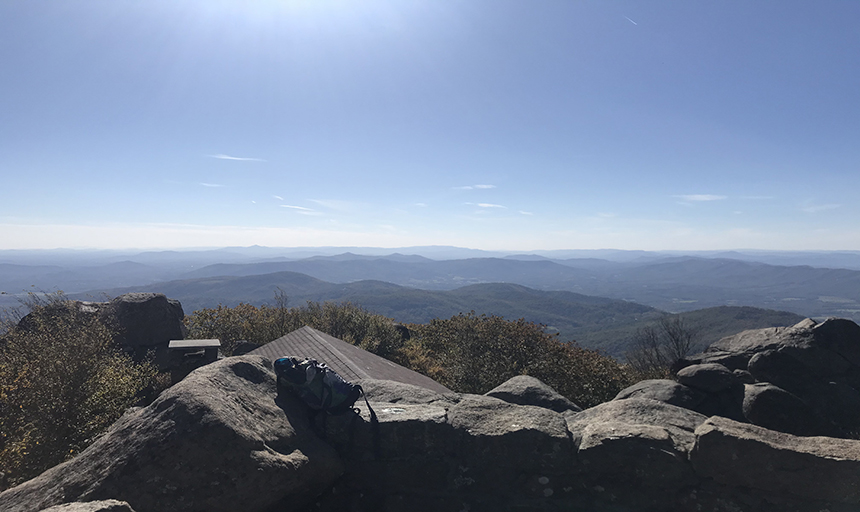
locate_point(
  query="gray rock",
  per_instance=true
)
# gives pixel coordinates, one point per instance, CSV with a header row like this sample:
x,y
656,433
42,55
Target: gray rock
x,y
828,397
145,320
664,390
783,370
476,451
220,440
92,506
708,377
747,456
636,450
744,376
678,421
527,390
390,391
499,441
774,408
734,352
840,336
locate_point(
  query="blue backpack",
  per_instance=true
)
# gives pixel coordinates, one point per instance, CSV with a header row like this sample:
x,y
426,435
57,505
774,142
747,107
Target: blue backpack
x,y
320,387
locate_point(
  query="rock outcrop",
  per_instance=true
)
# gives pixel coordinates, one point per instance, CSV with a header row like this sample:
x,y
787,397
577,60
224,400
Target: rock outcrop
x,y
218,441
224,439
802,380
143,323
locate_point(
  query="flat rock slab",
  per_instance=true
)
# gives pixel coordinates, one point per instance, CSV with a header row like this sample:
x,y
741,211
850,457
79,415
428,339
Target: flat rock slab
x,y
752,457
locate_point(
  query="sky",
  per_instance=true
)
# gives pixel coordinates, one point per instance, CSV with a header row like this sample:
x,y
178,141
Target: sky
x,y
489,124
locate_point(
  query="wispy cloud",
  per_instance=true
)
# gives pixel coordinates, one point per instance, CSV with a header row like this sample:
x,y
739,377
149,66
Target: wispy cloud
x,y
473,187
486,205
526,213
279,198
211,185
337,205
631,21
757,198
815,208
239,158
700,197
422,205
297,207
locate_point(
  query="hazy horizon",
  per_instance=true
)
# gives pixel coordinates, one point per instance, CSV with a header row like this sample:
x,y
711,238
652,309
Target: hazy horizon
x,y
498,125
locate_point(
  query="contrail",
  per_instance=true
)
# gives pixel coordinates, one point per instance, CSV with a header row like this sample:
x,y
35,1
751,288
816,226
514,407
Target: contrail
x,y
631,21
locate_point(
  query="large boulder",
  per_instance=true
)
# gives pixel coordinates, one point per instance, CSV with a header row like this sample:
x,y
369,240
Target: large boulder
x,y
527,390
817,363
389,391
144,321
734,352
664,390
220,440
779,467
635,450
708,377
774,408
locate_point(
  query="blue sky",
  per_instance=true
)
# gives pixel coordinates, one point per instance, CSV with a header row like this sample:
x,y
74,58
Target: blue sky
x,y
493,124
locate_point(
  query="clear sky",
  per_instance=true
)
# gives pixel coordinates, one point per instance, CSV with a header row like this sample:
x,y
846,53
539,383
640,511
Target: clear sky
x,y
489,124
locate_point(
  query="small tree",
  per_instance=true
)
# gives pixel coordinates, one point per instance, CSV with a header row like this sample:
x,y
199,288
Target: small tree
x,y
656,348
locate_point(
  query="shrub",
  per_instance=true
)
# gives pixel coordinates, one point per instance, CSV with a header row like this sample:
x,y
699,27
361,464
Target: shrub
x,y
467,353
473,354
62,383
263,324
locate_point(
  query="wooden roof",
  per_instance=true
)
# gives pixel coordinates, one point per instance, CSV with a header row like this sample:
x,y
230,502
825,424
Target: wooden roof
x,y
351,362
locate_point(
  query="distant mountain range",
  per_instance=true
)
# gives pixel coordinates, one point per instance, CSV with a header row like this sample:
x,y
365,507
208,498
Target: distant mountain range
x,y
416,284
595,322
673,284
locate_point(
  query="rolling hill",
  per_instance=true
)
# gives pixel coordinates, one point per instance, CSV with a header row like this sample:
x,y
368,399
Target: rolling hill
x,y
595,322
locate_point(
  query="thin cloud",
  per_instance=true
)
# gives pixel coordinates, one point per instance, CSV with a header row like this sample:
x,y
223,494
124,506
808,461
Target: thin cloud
x,y
473,187
239,158
296,207
211,185
490,205
631,21
337,205
701,197
279,198
757,198
422,205
815,208
526,213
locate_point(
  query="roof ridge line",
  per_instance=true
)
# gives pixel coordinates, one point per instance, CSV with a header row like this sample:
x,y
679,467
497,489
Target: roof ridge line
x,y
343,359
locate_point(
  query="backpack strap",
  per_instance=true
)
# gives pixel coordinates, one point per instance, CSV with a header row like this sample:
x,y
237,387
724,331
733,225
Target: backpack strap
x,y
374,426
373,418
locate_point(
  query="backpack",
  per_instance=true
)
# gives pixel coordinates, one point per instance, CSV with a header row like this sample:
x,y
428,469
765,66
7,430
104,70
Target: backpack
x,y
320,387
